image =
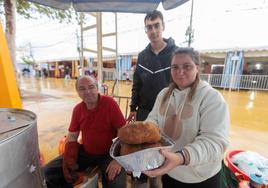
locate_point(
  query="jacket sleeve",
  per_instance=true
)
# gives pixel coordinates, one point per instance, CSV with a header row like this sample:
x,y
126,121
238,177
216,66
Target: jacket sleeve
x,y
212,139
137,84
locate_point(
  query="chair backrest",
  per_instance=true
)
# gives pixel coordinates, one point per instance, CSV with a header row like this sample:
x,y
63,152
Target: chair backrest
x,y
123,103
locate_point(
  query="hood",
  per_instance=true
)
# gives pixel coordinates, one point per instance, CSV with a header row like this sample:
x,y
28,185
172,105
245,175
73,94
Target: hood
x,y
170,44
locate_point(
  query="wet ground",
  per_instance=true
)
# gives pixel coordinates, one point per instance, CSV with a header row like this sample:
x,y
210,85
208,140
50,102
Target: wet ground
x,y
53,100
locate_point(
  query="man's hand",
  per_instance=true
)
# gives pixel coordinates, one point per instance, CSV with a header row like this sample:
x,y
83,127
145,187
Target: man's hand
x,y
113,170
69,173
131,117
69,164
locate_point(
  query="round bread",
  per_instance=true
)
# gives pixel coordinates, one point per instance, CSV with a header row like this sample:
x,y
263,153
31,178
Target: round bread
x,y
126,149
139,132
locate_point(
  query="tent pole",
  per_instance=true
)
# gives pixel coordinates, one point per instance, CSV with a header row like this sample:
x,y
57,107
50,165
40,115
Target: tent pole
x,y
99,46
190,36
81,44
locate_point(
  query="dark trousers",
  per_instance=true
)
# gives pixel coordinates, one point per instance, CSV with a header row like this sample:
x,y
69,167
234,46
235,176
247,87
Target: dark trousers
x,y
213,182
142,114
55,178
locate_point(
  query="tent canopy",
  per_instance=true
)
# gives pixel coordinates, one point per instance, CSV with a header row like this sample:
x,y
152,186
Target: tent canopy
x,y
131,6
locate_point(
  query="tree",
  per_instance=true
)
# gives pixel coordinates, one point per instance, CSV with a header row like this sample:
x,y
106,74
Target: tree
x,y
26,9
28,60
10,16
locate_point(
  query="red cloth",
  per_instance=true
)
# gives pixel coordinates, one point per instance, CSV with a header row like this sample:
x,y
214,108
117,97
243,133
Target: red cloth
x,y
99,125
69,164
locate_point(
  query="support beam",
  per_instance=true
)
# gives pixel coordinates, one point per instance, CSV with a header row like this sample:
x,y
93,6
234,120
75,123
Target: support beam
x,y
109,49
9,95
89,27
99,47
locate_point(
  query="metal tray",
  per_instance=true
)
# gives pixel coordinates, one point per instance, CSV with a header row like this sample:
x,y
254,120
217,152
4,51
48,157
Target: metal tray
x,y
140,161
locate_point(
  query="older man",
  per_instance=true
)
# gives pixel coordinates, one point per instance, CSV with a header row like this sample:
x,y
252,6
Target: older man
x,y
97,117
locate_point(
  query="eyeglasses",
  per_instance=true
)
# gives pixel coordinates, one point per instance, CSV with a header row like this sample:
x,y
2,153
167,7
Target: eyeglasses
x,y
185,67
150,27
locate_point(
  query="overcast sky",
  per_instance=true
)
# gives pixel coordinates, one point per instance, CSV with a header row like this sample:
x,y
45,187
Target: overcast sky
x,y
217,24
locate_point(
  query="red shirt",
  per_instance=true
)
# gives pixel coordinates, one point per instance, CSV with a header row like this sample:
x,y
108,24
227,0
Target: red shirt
x,y
99,125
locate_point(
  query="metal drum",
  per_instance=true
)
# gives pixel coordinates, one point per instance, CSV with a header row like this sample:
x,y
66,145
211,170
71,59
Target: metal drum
x,y
19,151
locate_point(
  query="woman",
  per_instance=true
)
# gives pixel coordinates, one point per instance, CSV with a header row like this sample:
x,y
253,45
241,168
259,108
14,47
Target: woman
x,y
196,117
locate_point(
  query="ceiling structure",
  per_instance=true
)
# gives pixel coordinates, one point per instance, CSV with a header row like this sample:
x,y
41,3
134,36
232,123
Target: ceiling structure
x,y
259,54
131,6
98,6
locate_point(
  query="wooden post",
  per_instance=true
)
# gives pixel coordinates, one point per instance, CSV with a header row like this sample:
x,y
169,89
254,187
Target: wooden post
x,y
57,72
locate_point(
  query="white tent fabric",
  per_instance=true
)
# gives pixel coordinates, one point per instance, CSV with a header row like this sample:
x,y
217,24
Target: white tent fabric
x,y
133,6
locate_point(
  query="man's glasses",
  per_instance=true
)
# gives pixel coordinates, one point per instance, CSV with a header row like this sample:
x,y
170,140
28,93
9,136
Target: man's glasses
x,y
150,27
185,67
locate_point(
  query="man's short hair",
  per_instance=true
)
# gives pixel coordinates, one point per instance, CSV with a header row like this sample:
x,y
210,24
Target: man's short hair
x,y
153,15
86,76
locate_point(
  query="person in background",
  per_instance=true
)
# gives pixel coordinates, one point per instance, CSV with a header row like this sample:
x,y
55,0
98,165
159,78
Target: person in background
x,y
152,71
196,117
97,117
45,72
67,73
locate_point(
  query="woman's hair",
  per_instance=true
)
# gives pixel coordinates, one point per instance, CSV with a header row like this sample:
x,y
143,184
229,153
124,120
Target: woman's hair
x,y
188,51
196,59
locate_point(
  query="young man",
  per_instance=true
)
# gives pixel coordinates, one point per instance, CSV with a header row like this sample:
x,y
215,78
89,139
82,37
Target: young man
x,y
97,117
152,73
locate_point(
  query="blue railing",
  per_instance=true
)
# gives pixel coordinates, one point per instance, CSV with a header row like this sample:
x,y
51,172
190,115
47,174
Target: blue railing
x,y
252,82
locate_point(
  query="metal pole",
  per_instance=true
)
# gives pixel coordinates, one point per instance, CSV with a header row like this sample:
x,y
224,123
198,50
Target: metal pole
x,y
116,37
99,46
190,27
81,44
116,56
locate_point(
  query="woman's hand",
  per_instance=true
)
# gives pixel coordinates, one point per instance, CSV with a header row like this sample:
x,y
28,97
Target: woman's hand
x,y
113,170
171,161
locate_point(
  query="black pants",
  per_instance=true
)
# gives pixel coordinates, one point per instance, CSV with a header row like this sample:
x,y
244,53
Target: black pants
x,y
55,178
142,114
213,182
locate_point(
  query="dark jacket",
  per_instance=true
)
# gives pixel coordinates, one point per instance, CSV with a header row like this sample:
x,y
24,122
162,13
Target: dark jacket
x,y
152,74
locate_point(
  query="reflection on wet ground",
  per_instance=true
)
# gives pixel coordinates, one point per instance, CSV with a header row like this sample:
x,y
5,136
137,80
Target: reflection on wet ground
x,y
53,100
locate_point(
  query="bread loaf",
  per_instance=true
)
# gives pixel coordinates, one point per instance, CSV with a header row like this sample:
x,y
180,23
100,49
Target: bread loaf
x,y
139,133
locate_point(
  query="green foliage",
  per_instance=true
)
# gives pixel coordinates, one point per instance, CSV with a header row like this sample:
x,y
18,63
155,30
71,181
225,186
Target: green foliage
x,y
31,10
27,60
1,8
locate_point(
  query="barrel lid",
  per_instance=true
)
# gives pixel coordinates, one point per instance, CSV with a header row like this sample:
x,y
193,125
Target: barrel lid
x,y
12,120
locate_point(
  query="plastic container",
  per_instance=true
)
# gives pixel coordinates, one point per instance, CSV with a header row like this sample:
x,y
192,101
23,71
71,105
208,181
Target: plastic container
x,y
239,173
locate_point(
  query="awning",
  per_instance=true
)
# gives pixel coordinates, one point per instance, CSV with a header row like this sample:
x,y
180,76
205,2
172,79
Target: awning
x,y
131,6
251,54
